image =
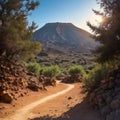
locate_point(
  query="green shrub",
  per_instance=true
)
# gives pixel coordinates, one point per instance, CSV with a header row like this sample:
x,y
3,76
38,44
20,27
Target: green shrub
x,y
51,71
33,67
41,71
97,74
76,70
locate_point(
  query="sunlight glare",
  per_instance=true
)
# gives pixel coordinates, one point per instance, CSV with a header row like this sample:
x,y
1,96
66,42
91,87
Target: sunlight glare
x,y
98,19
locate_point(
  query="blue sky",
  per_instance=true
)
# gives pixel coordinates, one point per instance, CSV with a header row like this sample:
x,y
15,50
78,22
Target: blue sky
x,y
72,11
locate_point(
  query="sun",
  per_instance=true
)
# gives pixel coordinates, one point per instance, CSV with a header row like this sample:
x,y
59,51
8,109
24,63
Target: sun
x,y
96,19
99,19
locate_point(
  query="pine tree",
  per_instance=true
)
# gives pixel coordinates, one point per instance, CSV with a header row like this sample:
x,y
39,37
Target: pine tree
x,y
15,34
108,31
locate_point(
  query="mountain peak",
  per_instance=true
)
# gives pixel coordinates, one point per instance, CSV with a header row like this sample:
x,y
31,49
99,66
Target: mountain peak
x,y
64,36
58,23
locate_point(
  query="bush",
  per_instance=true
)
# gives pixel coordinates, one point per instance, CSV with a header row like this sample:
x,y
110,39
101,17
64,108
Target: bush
x,y
92,80
76,70
51,71
33,67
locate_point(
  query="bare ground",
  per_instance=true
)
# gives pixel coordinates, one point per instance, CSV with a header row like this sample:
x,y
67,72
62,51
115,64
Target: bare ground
x,y
71,106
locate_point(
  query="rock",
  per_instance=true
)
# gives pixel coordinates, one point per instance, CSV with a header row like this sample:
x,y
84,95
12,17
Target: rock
x,y
6,97
107,96
22,82
48,81
69,98
1,107
33,86
21,94
115,104
15,83
105,110
53,82
30,73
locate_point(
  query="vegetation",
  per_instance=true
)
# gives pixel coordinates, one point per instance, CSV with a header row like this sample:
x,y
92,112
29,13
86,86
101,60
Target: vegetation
x,y
108,34
76,70
64,61
51,71
108,31
15,34
98,73
33,67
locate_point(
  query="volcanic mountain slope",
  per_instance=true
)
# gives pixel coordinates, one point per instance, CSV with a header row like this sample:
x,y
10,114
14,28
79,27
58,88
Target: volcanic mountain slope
x,y
64,37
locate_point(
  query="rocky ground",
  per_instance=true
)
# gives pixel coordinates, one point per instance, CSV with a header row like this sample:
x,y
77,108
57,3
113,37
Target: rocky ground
x,y
72,78
106,97
15,81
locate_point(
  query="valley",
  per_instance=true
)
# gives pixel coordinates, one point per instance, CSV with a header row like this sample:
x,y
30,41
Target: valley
x,y
65,60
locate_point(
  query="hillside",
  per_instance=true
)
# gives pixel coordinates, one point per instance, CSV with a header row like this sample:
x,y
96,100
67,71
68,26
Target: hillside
x,y
64,37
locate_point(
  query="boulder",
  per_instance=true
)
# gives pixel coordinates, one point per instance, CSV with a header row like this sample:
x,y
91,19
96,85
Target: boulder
x,y
33,86
6,97
48,81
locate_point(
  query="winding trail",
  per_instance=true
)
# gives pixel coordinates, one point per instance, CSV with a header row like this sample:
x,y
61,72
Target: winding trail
x,y
23,113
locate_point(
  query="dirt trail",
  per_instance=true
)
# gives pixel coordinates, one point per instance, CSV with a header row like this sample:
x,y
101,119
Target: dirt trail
x,y
23,113
67,103
71,106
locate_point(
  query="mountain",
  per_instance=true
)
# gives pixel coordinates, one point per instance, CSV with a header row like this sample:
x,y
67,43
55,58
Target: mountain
x,y
64,37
